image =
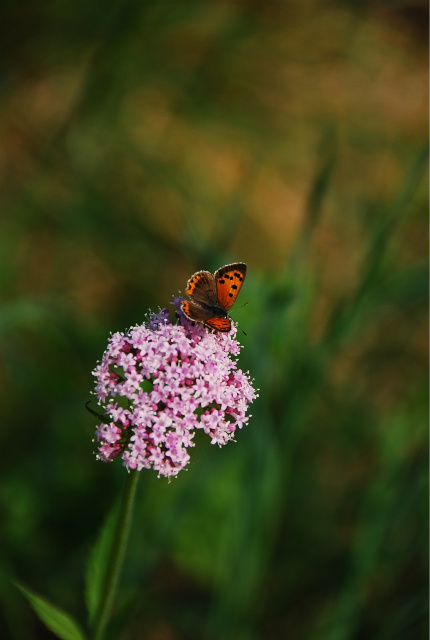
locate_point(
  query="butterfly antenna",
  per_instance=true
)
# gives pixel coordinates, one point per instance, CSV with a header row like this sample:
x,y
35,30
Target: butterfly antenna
x,y
244,333
242,305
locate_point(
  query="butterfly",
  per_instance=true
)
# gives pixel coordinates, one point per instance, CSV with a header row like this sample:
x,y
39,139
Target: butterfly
x,y
211,296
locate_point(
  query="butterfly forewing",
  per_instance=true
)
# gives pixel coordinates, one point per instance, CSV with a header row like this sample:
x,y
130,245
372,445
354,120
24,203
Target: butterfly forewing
x,y
229,280
201,287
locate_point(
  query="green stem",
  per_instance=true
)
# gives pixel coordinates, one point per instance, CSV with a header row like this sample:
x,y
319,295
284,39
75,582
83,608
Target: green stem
x,y
117,556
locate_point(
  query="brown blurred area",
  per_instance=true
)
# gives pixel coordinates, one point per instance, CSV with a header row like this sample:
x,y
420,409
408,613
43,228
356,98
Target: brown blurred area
x,y
74,124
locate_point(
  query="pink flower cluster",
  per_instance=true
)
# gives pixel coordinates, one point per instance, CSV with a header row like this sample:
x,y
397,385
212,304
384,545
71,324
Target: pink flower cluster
x,y
159,382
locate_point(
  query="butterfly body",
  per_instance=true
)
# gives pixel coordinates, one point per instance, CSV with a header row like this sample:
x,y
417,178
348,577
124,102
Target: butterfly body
x,y
211,296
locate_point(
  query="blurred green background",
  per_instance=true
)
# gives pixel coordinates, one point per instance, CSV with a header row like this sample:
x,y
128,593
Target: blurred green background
x,y
141,141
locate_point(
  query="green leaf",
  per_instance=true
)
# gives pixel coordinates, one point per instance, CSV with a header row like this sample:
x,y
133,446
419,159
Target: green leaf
x,y
57,620
97,564
146,385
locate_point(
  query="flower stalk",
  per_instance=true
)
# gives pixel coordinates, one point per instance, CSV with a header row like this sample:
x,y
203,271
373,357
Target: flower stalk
x,y
116,556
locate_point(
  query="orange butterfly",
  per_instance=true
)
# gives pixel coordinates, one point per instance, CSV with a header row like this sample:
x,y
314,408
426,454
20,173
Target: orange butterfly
x,y
211,296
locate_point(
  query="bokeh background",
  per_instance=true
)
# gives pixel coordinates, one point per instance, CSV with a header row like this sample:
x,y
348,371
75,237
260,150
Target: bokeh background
x,y
140,142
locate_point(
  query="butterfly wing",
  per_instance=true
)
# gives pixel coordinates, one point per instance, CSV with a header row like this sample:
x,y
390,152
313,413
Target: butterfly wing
x,y
201,288
195,311
219,324
229,281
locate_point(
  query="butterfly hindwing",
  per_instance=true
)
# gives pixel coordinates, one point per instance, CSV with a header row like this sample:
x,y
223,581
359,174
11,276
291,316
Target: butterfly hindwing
x,y
195,311
219,324
198,313
229,280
